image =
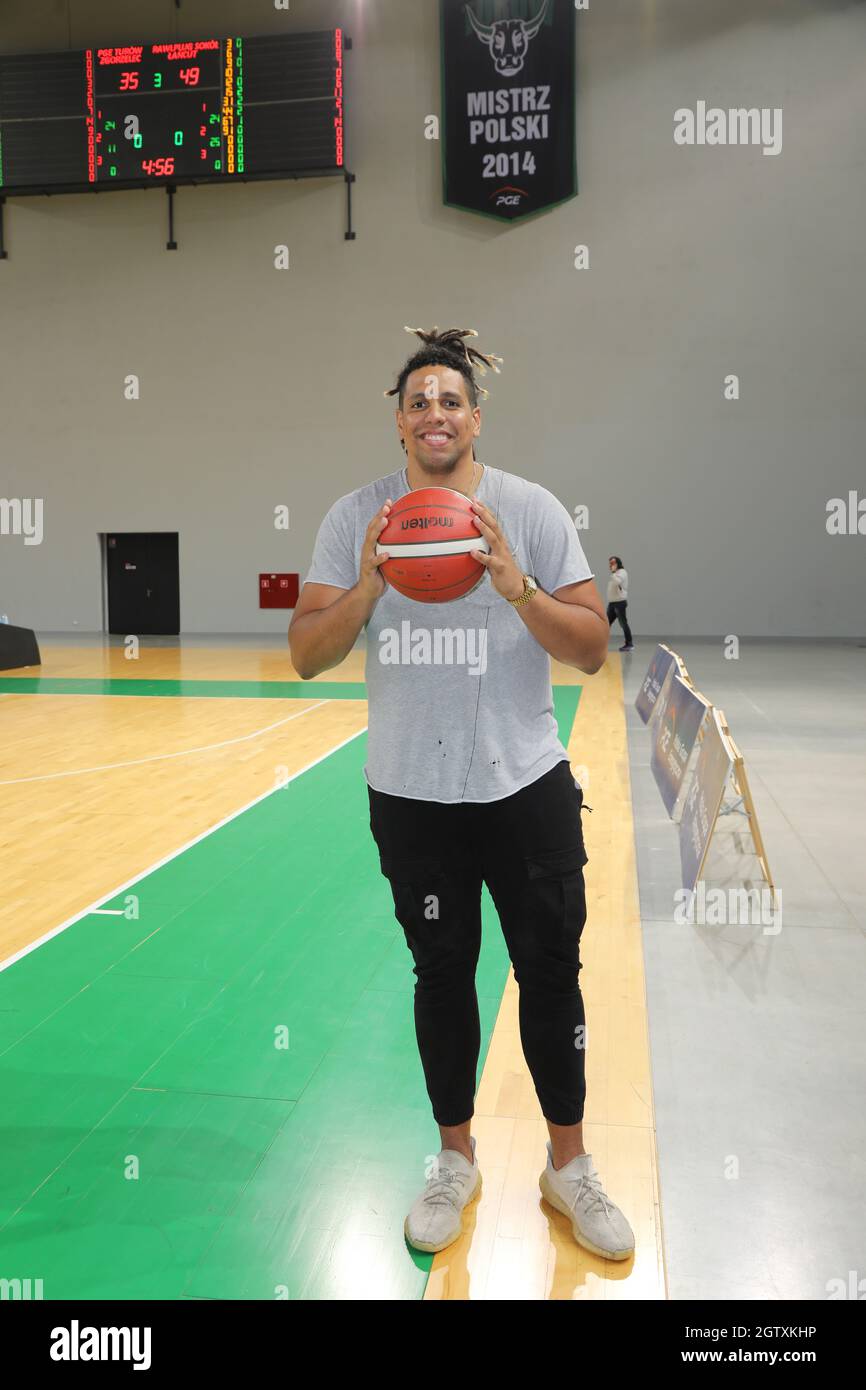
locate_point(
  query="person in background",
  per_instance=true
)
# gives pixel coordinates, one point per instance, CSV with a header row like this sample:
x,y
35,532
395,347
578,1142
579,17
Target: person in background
x,y
617,599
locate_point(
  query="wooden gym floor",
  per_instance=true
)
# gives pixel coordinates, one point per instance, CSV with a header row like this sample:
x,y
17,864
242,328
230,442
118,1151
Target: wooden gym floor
x,y
208,1072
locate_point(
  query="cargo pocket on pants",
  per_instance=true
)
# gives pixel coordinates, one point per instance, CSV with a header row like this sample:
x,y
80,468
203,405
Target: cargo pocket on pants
x,y
412,879
555,892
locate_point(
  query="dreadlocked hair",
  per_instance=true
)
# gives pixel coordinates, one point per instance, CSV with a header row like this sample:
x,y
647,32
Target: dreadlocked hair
x,y
447,349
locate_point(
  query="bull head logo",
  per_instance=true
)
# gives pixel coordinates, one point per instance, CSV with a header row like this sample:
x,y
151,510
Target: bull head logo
x,y
508,39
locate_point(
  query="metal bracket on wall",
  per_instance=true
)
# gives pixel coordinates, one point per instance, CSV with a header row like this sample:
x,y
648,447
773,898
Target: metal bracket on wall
x,y
171,244
350,179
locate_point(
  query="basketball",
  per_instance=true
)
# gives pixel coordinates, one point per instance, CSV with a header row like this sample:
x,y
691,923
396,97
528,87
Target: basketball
x,y
429,535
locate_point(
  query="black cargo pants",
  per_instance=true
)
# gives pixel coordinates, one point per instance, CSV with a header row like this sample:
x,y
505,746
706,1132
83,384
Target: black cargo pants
x,y
528,849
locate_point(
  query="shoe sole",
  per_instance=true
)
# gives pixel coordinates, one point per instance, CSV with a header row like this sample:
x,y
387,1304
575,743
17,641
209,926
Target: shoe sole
x,y
425,1245
550,1196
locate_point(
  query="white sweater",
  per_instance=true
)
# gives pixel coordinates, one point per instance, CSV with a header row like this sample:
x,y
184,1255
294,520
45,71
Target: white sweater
x,y
617,587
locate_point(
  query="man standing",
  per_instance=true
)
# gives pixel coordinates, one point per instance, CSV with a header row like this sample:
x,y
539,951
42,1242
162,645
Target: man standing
x,y
468,781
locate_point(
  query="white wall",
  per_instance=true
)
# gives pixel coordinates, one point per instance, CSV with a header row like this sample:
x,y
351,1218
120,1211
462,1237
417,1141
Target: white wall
x,y
262,387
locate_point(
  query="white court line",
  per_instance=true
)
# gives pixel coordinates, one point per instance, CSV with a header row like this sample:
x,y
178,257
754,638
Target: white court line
x,y
160,757
55,931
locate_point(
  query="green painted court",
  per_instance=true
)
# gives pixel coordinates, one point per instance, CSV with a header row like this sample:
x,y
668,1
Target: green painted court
x,y
217,1093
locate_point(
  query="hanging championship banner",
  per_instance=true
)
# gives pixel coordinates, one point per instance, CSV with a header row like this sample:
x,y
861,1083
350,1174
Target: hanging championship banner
x,y
508,105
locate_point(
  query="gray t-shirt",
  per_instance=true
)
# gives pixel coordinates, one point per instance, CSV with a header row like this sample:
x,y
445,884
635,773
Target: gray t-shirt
x,y
460,704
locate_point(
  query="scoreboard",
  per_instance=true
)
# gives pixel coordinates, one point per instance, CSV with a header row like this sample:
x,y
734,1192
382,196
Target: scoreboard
x,y
198,111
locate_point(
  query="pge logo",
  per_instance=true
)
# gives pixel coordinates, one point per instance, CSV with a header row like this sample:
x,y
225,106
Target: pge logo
x,y
508,197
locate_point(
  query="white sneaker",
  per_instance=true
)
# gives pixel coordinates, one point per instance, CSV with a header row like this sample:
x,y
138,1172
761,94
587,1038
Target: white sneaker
x,y
435,1218
576,1191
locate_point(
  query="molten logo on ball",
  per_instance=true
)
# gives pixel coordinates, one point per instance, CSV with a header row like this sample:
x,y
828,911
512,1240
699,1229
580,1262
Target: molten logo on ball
x,y
425,521
429,536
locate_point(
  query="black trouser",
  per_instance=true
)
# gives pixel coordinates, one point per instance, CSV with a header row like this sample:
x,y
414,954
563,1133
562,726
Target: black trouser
x,y
617,610
528,849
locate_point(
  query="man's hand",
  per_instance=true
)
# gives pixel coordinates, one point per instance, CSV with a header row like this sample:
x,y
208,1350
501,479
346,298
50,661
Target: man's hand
x,y
371,584
505,576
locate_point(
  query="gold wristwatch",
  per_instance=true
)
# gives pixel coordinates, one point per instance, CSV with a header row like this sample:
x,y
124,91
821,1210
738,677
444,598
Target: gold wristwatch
x,y
529,588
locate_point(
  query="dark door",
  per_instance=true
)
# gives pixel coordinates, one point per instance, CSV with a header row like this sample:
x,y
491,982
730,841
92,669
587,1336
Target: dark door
x,y
143,582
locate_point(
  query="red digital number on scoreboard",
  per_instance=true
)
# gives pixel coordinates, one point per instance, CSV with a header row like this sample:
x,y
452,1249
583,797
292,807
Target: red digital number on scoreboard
x,y
158,167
